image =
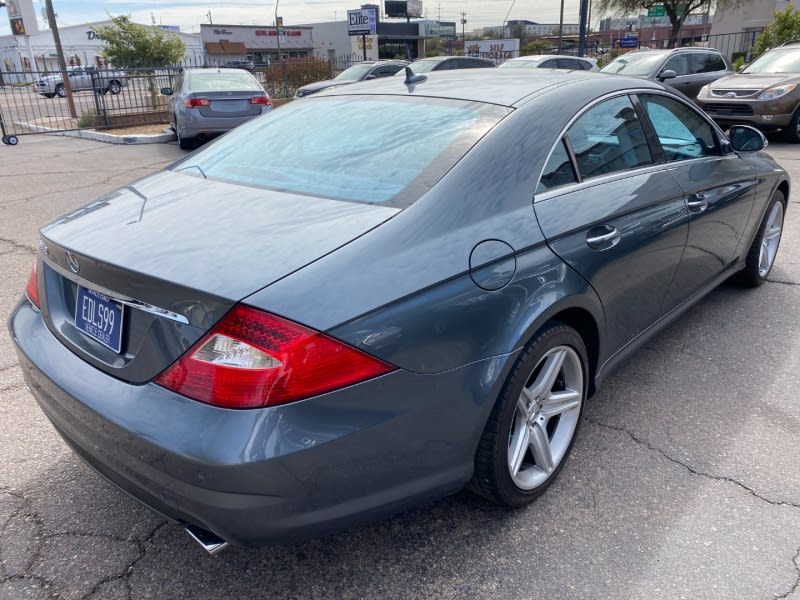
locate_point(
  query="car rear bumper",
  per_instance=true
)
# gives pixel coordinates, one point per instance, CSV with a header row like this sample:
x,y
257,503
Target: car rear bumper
x,y
192,124
269,475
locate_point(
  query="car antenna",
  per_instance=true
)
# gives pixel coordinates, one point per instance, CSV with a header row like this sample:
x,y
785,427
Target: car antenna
x,y
412,77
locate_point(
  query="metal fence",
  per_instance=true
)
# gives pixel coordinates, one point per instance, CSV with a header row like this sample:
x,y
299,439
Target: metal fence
x,y
734,45
37,102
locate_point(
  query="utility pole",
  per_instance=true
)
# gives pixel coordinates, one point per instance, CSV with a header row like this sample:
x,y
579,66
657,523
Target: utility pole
x,y
561,28
464,37
62,63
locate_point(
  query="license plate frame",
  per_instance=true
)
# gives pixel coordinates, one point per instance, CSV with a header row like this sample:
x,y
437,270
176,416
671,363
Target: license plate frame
x,y
99,317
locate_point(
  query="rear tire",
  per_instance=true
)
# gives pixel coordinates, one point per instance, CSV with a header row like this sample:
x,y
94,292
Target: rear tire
x,y
115,87
61,92
533,424
762,252
183,142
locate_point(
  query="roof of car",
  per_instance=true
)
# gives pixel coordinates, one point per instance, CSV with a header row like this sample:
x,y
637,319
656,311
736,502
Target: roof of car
x,y
672,50
444,58
494,86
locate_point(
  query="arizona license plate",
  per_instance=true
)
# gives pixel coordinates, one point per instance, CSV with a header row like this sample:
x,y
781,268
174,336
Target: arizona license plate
x,y
99,317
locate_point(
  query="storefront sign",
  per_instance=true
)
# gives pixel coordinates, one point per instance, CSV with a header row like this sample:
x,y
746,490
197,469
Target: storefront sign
x,y
21,17
496,50
361,21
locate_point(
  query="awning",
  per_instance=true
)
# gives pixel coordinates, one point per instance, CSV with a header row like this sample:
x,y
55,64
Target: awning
x,y
226,47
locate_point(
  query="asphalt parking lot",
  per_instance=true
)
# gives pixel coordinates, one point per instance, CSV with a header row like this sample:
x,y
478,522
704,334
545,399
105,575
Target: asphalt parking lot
x,y
684,481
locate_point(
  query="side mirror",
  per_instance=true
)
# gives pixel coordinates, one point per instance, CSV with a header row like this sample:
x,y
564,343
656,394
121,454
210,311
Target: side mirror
x,y
746,139
667,74
166,91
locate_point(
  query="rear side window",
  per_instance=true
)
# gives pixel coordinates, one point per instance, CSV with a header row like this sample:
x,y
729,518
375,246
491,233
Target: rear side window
x,y
608,138
367,149
558,170
706,62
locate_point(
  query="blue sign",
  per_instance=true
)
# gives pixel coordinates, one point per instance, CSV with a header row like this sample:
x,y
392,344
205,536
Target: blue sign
x,y
627,42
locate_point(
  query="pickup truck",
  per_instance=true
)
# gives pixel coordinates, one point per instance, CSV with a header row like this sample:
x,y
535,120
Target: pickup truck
x,y
82,79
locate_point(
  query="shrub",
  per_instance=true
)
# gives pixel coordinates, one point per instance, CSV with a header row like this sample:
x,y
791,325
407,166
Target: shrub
x,y
87,119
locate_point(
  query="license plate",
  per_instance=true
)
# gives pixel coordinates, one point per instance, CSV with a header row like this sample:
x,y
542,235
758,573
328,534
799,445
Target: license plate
x,y
99,317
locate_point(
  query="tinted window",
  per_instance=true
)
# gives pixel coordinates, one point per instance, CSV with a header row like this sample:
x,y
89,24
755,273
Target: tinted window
x,y
608,138
350,149
549,64
683,134
679,64
706,62
558,170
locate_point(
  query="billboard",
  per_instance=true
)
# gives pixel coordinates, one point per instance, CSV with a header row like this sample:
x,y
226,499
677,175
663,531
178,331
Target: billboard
x,y
362,21
403,8
22,17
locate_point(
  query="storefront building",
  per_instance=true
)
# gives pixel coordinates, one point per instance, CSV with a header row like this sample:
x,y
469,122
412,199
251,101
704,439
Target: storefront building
x,y
257,43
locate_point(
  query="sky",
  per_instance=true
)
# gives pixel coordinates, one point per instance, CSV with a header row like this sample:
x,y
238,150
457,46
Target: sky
x,y
188,14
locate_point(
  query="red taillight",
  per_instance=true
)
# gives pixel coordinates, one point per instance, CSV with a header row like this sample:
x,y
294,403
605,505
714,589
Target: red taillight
x,y
252,359
195,102
261,100
32,289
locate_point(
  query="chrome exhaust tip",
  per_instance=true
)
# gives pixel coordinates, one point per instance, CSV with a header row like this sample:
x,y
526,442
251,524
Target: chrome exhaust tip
x,y
210,542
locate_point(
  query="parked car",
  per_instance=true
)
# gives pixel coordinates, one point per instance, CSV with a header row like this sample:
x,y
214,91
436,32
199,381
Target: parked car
x,y
446,63
207,102
685,69
766,94
247,65
385,292
551,61
81,79
361,71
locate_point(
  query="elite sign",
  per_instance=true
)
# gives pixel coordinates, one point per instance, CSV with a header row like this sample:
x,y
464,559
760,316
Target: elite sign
x,y
361,22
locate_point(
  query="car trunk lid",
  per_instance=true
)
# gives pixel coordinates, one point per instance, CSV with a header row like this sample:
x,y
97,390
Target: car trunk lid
x,y
170,255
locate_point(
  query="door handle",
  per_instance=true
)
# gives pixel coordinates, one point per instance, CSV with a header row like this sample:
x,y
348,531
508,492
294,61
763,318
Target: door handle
x,y
697,203
603,237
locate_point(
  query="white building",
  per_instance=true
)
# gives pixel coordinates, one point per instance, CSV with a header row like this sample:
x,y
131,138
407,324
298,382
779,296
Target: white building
x,y
749,16
37,52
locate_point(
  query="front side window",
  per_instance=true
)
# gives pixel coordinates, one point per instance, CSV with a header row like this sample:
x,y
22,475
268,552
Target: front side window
x,y
683,134
609,138
679,64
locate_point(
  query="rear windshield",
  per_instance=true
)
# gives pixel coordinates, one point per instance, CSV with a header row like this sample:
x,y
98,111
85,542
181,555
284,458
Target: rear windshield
x,y
373,149
215,81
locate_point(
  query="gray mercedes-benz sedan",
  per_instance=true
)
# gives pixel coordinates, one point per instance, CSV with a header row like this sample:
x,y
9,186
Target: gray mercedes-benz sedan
x,y
417,289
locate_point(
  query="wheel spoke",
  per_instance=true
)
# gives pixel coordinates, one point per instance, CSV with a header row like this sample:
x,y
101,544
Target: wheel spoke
x,y
540,446
763,263
525,402
561,402
519,446
772,232
547,376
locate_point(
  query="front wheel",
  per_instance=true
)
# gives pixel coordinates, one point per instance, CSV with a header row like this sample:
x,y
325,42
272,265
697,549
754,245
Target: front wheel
x,y
61,92
791,133
533,424
762,252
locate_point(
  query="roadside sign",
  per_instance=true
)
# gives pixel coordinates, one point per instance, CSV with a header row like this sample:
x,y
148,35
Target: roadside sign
x,y
627,42
657,11
361,22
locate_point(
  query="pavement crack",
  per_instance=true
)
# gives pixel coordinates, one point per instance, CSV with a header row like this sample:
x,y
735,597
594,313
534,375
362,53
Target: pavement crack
x,y
691,469
796,562
127,571
15,245
789,283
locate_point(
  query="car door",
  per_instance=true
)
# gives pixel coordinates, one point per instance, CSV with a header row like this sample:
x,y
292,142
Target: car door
x,y
615,215
705,67
719,188
682,81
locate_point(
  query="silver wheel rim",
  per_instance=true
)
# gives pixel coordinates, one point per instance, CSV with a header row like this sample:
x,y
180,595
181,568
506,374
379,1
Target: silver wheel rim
x,y
771,239
545,417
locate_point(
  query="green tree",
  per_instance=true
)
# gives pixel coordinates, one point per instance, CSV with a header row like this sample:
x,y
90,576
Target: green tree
x,y
676,10
130,45
785,27
535,47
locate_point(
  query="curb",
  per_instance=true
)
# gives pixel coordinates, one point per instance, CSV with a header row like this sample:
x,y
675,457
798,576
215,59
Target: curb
x,y
157,138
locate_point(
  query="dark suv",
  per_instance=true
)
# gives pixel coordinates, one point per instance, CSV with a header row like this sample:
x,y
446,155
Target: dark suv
x,y
685,69
766,94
